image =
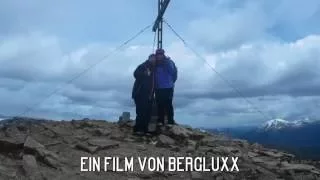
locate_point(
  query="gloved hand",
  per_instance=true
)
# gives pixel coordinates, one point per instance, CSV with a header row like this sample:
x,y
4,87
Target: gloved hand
x,y
147,72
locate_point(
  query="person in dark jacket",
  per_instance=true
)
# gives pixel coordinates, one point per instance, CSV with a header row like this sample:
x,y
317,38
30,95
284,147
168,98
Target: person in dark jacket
x,y
165,78
142,94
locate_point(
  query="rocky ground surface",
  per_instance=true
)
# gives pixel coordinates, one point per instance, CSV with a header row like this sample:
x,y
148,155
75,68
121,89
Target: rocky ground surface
x,y
42,149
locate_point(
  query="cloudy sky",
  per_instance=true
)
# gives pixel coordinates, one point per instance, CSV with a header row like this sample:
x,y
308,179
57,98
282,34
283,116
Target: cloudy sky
x,y
269,50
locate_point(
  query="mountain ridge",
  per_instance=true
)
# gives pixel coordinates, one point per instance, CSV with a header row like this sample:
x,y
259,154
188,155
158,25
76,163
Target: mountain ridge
x,y
299,137
278,124
52,149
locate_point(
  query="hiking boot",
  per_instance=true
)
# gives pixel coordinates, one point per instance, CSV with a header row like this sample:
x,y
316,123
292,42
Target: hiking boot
x,y
172,122
148,134
138,133
152,133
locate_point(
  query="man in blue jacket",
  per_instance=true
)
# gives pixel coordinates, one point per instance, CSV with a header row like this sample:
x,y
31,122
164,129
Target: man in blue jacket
x,y
165,78
142,93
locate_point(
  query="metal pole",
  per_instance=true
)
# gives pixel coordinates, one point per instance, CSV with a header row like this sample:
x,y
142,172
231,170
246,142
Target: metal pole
x,y
164,5
158,24
159,43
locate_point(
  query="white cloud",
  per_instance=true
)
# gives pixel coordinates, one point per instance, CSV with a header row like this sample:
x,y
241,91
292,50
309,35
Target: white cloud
x,y
105,90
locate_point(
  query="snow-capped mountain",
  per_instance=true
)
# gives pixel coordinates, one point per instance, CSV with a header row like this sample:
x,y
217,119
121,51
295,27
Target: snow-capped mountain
x,y
278,124
300,137
275,124
2,117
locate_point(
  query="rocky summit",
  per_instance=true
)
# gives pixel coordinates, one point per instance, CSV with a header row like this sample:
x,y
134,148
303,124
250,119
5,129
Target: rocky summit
x,y
38,149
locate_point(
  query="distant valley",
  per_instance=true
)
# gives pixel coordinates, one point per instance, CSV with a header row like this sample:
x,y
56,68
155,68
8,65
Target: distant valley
x,y
299,137
2,117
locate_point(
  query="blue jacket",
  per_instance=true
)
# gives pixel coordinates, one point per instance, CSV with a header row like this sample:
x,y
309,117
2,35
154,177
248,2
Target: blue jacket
x,y
165,74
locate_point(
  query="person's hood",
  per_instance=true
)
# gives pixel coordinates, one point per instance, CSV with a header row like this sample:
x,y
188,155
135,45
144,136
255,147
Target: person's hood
x,y
164,61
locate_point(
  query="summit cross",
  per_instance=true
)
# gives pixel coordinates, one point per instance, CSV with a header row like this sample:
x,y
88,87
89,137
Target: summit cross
x,y
158,24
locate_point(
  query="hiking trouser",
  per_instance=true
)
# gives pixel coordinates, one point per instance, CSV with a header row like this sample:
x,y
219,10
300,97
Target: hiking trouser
x,y
143,114
164,103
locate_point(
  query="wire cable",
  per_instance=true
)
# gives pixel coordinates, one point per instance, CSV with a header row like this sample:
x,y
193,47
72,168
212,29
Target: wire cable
x,y
31,108
154,42
214,70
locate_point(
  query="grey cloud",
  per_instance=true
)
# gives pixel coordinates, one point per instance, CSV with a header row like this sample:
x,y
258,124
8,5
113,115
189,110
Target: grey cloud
x,y
11,84
254,74
79,21
229,27
106,92
236,112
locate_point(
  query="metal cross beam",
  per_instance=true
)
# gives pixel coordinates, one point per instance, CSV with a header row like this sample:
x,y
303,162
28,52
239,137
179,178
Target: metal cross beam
x,y
162,6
